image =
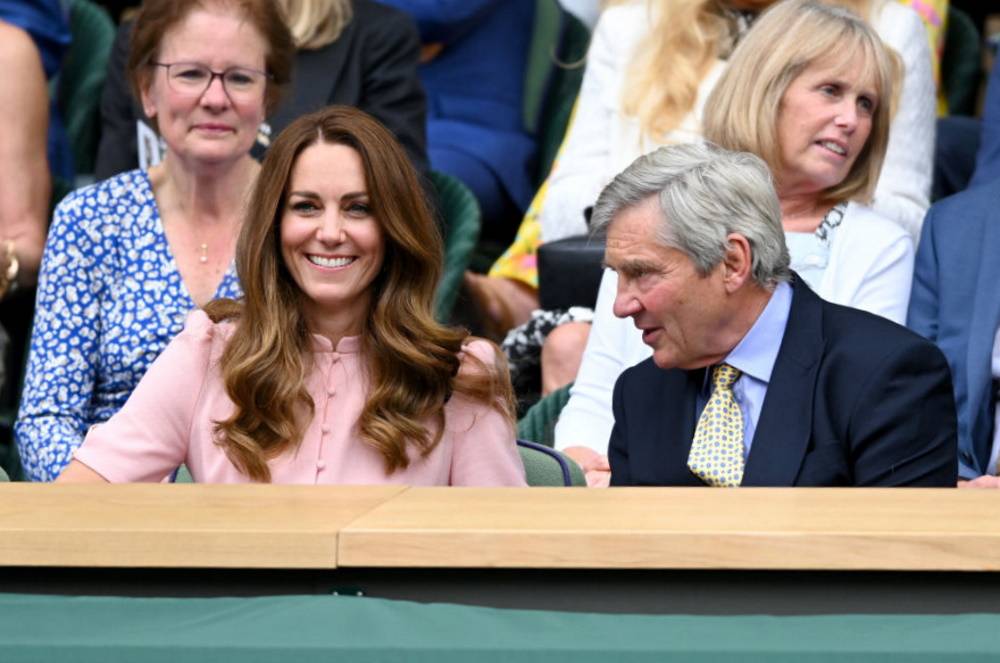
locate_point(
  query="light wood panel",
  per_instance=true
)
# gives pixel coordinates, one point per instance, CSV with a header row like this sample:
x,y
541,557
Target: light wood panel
x,y
680,528
179,525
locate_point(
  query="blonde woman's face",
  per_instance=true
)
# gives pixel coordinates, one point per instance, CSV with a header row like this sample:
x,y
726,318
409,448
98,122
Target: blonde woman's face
x,y
824,122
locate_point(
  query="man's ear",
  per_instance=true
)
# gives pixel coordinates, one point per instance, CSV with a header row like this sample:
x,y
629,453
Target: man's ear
x,y
737,262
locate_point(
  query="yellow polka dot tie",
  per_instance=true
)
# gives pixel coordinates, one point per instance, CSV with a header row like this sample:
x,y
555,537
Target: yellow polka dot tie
x,y
717,448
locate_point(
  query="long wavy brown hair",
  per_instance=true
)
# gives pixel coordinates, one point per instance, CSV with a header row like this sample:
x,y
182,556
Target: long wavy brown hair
x,y
412,360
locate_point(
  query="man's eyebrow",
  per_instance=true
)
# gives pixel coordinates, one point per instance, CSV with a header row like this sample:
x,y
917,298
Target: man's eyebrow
x,y
635,266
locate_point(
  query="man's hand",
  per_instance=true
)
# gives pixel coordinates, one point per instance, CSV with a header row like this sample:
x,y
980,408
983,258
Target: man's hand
x,y
985,481
594,465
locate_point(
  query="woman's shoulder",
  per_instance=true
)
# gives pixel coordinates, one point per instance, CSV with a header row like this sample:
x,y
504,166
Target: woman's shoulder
x,y
479,355
200,330
868,228
127,193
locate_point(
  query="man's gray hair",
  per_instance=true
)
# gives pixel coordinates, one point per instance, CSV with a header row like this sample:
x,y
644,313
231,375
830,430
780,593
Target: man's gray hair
x,y
705,192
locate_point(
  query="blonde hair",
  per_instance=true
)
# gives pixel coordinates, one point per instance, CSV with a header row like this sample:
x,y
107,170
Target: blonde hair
x,y
414,363
670,62
316,23
742,111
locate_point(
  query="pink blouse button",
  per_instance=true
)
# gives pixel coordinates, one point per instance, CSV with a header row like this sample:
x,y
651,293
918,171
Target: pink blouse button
x,y
321,464
325,430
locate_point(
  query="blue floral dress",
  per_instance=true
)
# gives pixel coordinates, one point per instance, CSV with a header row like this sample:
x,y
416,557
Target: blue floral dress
x,y
109,300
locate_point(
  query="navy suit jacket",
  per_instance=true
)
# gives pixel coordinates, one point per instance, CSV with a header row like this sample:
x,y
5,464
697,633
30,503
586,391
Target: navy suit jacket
x,y
955,302
853,400
988,155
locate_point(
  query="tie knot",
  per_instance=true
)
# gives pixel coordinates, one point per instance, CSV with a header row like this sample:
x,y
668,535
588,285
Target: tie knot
x,y
724,376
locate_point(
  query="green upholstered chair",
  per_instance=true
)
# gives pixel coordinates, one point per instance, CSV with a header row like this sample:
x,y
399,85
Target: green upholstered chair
x,y
553,75
462,220
547,467
538,423
78,87
961,64
182,475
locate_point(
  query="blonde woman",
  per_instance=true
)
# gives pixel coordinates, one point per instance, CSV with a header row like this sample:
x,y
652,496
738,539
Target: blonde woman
x,y
354,52
650,67
629,106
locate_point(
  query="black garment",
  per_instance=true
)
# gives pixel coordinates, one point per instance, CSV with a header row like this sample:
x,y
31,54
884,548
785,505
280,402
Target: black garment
x,y
372,66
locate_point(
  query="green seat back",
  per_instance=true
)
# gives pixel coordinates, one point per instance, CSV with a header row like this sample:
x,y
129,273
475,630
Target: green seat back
x,y
548,467
460,210
78,90
552,79
960,63
538,423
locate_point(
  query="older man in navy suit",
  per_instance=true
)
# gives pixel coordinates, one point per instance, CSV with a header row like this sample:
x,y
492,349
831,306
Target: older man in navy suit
x,y
955,302
754,380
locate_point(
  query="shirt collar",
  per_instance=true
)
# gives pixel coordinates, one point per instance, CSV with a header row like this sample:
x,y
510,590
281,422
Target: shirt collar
x,y
757,351
347,344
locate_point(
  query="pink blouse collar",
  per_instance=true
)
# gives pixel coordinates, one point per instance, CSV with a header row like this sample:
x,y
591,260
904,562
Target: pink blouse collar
x,y
347,344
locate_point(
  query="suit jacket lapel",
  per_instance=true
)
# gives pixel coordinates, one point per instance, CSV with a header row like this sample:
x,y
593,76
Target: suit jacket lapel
x,y
982,331
785,426
678,423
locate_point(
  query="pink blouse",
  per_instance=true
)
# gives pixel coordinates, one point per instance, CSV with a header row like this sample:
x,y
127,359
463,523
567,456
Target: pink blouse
x,y
169,420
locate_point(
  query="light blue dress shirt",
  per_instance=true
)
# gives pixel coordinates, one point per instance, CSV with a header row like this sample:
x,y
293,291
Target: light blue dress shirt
x,y
755,355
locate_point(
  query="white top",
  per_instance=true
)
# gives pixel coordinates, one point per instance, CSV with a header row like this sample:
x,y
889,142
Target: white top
x,y
870,268
601,141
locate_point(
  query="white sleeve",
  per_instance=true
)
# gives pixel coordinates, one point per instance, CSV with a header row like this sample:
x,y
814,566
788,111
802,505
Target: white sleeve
x,y
903,190
614,345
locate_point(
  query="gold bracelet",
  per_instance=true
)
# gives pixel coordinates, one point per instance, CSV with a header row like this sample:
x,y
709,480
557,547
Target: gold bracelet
x,y
8,280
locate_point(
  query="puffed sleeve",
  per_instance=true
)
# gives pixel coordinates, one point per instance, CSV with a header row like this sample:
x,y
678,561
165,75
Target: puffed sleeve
x,y
148,438
485,447
62,360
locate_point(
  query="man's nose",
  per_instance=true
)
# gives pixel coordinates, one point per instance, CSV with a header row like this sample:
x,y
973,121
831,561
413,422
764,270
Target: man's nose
x,y
625,303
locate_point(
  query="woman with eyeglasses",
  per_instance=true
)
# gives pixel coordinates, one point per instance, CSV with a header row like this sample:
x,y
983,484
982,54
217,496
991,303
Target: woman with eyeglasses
x,y
128,258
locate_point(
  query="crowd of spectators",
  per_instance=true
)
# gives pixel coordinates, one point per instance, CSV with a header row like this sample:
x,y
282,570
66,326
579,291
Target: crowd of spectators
x,y
262,231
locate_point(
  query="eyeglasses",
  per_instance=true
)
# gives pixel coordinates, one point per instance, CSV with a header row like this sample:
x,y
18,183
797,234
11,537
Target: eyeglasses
x,y
192,79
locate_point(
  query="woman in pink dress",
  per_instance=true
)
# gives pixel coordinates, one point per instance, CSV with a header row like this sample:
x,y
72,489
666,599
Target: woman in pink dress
x,y
331,369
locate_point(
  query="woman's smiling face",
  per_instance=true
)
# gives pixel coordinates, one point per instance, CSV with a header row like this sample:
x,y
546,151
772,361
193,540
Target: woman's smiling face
x,y
331,243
